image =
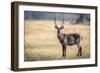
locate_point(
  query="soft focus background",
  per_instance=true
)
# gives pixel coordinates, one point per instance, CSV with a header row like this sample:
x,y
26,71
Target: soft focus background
x,y
5,37
41,42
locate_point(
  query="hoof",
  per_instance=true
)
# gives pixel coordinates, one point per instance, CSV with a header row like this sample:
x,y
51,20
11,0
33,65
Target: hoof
x,y
79,55
64,56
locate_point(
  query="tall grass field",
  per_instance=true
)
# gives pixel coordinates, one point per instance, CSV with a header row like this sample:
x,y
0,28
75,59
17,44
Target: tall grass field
x,y
41,42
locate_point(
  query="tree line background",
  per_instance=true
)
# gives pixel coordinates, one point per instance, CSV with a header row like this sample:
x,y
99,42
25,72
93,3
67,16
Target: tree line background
x,y
74,18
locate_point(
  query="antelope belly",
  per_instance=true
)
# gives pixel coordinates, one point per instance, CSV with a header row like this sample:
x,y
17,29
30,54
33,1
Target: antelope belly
x,y
70,40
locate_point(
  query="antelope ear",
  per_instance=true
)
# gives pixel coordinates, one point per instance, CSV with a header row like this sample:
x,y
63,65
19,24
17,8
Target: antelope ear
x,y
62,27
56,27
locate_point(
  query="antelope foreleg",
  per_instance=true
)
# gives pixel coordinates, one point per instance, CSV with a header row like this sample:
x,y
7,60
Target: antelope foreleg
x,y
64,51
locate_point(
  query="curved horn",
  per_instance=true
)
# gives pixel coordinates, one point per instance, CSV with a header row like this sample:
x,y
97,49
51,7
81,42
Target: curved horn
x,y
62,21
55,23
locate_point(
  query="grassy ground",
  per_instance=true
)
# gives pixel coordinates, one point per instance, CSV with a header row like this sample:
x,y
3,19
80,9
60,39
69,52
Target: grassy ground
x,y
41,42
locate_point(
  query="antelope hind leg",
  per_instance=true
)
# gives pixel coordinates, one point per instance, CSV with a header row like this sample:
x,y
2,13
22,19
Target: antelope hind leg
x,y
79,50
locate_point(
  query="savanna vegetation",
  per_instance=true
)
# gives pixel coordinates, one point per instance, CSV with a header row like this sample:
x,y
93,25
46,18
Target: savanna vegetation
x,y
41,42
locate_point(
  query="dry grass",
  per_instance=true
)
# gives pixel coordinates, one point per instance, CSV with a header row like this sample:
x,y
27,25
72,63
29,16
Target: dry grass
x,y
41,42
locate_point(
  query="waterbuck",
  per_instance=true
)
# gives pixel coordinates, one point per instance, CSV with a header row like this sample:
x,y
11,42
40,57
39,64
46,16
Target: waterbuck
x,y
68,39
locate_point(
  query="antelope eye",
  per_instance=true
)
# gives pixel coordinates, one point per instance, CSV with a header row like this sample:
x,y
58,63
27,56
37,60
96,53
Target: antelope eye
x,y
62,27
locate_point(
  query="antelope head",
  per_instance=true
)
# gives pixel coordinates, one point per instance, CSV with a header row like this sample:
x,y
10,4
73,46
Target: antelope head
x,y
60,27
